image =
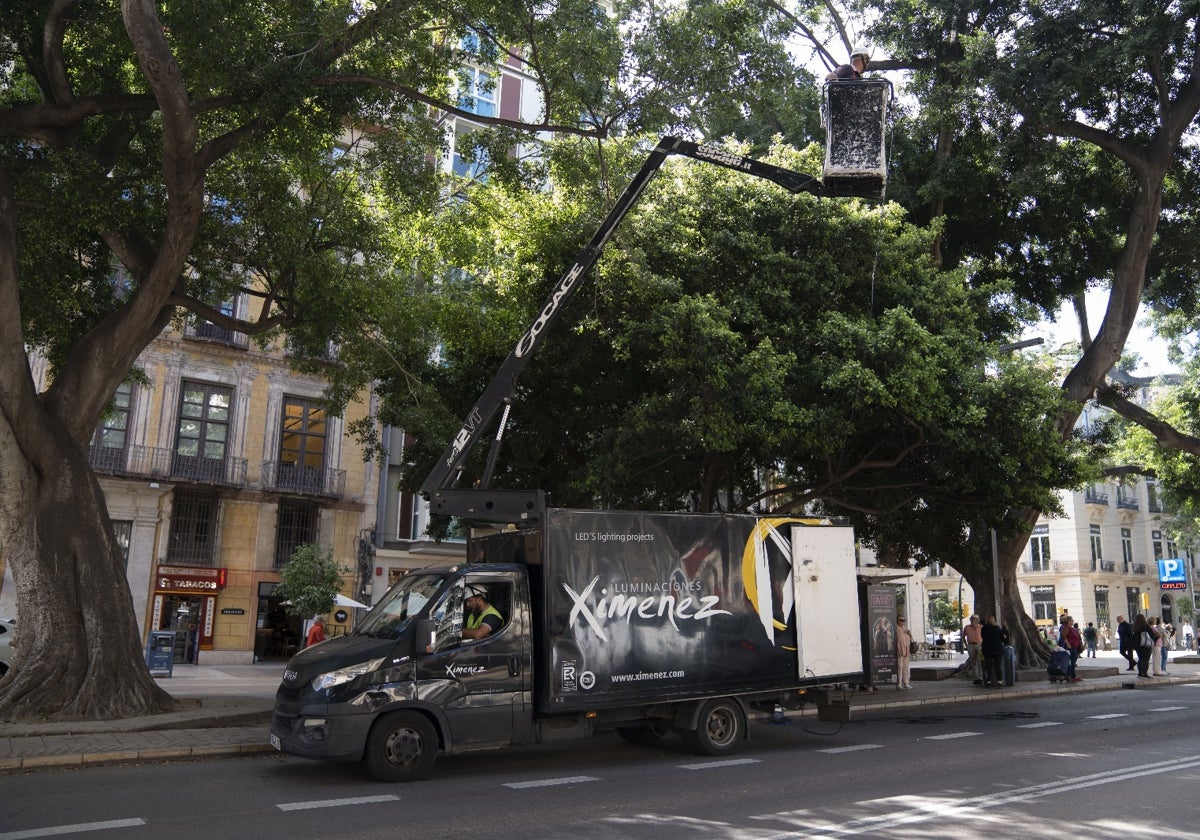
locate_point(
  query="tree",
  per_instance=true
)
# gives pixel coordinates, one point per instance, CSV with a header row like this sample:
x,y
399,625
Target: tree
x,y
309,581
1052,152
157,158
945,614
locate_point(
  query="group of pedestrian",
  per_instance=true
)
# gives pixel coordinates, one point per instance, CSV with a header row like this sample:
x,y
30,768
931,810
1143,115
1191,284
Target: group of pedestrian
x,y
985,640
1148,639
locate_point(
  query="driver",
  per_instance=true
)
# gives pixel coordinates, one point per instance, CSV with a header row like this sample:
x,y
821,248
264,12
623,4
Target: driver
x,y
482,618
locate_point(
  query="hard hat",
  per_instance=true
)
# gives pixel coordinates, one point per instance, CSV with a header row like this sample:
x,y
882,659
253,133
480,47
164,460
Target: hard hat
x,y
863,51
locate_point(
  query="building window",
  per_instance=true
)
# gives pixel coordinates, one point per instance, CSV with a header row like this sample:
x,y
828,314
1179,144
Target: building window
x,y
111,438
123,530
193,528
1153,503
1042,600
203,432
1126,549
478,93
295,526
1102,605
302,446
1133,601
1097,546
1039,549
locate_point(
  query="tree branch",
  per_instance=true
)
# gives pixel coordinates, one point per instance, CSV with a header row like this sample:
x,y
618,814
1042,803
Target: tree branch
x,y
1166,434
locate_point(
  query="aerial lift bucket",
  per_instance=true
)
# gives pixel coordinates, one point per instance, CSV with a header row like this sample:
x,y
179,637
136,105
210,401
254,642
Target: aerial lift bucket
x,y
856,116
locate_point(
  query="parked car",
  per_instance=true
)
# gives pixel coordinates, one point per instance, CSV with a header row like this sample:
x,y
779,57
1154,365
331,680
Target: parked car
x,y
8,627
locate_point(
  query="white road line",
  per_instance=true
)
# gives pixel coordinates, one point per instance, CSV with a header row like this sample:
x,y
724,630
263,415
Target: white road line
x,y
924,808
1039,725
1107,717
855,748
565,780
335,803
948,736
78,828
729,762
1170,709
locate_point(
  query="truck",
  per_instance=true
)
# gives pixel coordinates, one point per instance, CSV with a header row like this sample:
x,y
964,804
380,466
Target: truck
x,y
644,623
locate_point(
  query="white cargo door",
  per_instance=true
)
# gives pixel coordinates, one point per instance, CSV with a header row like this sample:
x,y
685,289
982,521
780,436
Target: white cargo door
x,y
826,596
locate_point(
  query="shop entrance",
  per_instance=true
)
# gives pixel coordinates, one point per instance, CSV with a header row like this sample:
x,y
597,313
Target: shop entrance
x,y
278,633
181,613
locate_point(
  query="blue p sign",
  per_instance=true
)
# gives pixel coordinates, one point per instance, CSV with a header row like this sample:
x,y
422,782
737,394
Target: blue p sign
x,y
1172,570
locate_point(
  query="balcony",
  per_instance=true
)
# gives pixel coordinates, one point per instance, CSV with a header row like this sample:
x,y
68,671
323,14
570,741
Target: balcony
x,y
1036,568
1092,496
1139,568
224,472
1127,502
1109,566
208,331
290,477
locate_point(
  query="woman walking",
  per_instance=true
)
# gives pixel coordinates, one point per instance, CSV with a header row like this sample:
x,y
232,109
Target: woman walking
x,y
1143,644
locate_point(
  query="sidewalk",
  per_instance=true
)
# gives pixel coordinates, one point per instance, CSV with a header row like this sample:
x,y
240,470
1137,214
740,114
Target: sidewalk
x,y
226,711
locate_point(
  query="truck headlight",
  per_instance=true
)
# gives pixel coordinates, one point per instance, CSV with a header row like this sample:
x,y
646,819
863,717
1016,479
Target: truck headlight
x,y
343,675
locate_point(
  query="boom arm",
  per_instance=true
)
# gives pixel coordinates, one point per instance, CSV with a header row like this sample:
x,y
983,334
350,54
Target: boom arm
x,y
440,487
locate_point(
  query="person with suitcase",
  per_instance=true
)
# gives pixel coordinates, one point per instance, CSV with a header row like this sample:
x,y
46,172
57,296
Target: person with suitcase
x,y
992,641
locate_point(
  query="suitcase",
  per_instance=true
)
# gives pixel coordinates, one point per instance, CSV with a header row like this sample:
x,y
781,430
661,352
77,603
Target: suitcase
x,y
1008,665
1060,664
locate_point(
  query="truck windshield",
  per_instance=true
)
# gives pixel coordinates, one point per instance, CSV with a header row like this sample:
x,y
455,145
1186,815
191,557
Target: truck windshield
x,y
391,616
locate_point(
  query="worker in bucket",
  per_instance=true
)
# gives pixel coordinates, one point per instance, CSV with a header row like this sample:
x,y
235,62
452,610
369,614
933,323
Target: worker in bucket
x,y
860,57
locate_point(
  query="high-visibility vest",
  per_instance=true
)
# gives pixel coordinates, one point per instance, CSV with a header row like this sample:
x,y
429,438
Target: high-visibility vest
x,y
475,620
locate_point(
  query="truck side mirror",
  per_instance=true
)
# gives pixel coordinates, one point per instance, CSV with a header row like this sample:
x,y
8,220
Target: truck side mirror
x,y
426,636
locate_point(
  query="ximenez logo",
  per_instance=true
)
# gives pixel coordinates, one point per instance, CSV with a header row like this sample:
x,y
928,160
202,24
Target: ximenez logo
x,y
669,606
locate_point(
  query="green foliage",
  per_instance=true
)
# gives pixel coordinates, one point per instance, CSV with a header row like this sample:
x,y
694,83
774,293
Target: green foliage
x,y
945,614
309,582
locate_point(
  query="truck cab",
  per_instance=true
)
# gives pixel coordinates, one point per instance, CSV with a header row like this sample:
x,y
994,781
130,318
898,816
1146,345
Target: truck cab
x,y
405,684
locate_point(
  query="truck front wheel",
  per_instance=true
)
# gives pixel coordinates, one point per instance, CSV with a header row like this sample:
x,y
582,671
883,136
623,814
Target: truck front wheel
x,y
718,729
402,746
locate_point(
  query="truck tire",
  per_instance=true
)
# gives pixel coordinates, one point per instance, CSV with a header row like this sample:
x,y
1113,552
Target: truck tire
x,y
402,746
718,729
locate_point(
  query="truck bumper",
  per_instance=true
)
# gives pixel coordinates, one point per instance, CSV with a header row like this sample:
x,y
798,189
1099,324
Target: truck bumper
x,y
335,733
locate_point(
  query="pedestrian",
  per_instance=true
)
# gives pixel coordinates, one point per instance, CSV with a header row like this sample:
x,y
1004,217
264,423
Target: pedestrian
x,y
1188,634
1105,636
1070,639
904,646
1142,638
1090,637
860,57
1125,640
1158,654
993,638
316,633
972,635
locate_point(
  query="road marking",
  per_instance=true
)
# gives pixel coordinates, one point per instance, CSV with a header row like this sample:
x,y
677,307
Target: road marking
x,y
855,748
78,828
1107,717
565,780
1039,725
917,809
729,762
1170,709
951,735
335,803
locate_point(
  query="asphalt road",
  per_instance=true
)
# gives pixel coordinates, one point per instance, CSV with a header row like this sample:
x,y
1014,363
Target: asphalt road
x,y
1096,766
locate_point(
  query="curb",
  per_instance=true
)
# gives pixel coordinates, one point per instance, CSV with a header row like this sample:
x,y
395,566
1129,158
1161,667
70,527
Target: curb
x,y
20,764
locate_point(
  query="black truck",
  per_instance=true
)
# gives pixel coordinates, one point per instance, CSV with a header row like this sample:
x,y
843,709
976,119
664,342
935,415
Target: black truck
x,y
646,623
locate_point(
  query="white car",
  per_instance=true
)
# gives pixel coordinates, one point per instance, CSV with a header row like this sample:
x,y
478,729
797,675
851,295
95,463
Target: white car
x,y
8,626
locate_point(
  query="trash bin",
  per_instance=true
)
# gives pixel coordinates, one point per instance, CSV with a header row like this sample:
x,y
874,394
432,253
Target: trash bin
x,y
160,653
1009,665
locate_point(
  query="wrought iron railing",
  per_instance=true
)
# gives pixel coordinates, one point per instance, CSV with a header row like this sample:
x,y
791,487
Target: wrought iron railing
x,y
290,477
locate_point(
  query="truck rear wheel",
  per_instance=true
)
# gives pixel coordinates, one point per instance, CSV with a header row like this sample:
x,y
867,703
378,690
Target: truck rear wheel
x,y
402,746
718,730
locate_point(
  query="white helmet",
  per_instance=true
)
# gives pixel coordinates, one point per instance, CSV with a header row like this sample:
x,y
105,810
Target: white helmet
x,y
863,51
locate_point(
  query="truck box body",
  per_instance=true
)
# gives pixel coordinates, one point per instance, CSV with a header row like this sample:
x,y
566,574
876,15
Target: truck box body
x,y
644,607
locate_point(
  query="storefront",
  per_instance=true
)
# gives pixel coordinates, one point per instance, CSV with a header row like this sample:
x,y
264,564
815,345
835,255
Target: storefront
x,y
185,600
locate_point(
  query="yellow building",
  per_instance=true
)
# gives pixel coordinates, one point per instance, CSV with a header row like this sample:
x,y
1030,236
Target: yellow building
x,y
214,472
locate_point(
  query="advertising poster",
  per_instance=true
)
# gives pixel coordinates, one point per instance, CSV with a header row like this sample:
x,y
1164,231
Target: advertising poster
x,y
881,628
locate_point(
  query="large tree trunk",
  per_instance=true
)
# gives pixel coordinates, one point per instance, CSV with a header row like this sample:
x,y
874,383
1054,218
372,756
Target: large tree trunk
x,y
78,653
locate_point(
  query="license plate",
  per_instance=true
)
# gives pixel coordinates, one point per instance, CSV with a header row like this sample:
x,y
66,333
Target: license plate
x,y
275,742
